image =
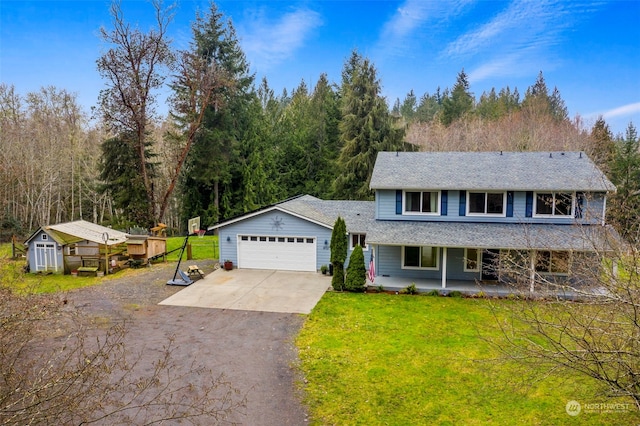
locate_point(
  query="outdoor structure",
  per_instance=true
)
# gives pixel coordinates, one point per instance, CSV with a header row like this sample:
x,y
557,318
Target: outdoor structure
x,y
78,245
442,217
142,248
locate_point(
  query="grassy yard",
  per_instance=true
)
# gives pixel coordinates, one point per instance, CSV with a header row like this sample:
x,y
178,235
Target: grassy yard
x,y
399,360
11,271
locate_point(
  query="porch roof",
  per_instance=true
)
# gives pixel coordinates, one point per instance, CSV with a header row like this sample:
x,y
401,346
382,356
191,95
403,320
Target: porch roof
x,y
493,235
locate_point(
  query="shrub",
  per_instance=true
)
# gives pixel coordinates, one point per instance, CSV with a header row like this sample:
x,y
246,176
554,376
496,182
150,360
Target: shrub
x,y
410,289
337,280
356,272
455,293
433,293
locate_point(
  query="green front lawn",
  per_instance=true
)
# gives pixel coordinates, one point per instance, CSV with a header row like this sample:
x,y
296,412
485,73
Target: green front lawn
x,y
398,360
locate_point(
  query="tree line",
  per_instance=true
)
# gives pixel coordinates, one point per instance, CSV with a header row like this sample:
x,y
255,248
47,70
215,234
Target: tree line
x,y
230,145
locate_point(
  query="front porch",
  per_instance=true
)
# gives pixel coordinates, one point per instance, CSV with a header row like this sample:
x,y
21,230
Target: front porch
x,y
470,288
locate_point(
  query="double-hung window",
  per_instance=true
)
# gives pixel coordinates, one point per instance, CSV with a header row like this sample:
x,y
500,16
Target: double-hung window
x,y
420,257
554,204
422,202
486,203
359,240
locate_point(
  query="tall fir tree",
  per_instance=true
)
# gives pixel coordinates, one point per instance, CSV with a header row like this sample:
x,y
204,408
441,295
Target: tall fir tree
x,y
459,103
366,129
213,176
602,146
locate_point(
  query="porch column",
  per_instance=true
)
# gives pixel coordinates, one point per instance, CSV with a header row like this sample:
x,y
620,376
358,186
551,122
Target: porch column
x,y
444,267
532,270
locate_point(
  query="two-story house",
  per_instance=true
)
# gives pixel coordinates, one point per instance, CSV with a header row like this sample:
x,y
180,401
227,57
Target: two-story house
x,y
440,217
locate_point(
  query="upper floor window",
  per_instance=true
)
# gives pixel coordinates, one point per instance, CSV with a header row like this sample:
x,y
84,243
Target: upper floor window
x,y
486,203
422,202
420,257
553,204
45,237
359,240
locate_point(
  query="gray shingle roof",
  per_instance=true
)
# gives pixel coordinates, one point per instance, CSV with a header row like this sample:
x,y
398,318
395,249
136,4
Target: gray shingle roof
x,y
358,215
515,171
492,235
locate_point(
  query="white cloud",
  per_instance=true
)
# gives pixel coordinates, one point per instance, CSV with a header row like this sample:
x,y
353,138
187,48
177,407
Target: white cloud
x,y
412,17
525,29
269,42
623,111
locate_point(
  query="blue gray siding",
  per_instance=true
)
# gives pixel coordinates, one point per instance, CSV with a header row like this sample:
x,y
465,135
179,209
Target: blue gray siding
x,y
274,223
389,263
386,208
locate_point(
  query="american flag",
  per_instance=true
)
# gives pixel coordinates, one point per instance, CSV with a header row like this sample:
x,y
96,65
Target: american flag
x,y
372,269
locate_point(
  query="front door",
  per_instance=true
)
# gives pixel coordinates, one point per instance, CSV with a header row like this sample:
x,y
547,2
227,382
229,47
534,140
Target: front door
x,y
46,259
490,264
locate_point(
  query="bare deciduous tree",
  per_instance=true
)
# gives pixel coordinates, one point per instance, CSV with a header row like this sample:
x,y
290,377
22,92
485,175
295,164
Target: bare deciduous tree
x,y
56,369
588,324
135,67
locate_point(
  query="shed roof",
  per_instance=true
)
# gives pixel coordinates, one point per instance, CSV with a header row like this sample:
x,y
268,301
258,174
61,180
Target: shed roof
x,y
515,171
70,232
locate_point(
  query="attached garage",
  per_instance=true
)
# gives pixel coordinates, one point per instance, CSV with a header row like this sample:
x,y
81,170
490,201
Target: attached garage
x,y
277,252
293,235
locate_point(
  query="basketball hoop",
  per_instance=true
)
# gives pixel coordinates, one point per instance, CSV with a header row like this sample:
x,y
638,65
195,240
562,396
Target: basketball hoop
x,y
201,233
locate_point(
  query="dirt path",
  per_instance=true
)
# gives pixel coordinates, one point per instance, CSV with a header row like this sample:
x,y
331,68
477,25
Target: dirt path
x,y
254,350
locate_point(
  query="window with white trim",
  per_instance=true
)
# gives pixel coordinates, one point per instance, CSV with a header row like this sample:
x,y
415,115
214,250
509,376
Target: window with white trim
x,y
472,261
421,202
552,262
45,237
358,240
486,203
420,257
554,204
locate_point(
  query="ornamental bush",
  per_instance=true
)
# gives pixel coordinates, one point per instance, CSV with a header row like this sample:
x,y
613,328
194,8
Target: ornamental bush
x,y
356,272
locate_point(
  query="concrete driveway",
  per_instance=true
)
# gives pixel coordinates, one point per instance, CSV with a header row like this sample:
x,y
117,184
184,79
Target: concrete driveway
x,y
254,290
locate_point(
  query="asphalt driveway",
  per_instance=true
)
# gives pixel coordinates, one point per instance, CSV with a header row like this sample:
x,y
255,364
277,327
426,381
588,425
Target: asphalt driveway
x,y
254,290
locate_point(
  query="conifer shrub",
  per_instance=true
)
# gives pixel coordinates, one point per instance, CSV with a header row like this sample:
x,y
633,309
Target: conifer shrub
x,y
356,272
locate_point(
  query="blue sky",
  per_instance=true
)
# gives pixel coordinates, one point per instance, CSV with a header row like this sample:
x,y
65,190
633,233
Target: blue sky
x,y
590,50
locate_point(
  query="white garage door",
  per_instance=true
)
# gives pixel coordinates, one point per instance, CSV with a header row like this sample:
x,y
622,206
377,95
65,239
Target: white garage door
x,y
283,253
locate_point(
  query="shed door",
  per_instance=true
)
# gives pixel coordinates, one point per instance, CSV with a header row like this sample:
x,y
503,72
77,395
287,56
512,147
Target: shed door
x,y
46,259
283,253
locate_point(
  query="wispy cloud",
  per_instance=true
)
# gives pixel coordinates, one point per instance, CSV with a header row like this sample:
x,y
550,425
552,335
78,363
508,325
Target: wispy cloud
x,y
268,42
412,17
623,111
525,29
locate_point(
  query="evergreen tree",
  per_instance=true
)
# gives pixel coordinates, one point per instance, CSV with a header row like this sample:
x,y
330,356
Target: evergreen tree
x,y
459,103
366,128
537,101
122,181
356,271
602,145
212,186
624,209
338,247
409,107
429,107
